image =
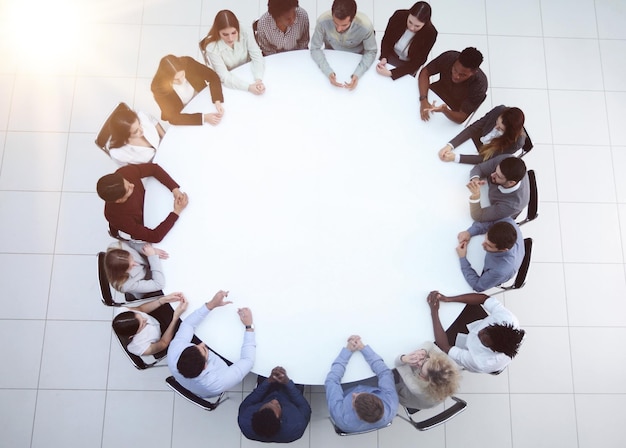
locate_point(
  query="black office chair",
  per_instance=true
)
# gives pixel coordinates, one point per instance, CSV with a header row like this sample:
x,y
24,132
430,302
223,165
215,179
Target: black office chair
x,y
193,398
528,145
532,211
108,294
104,136
341,432
138,361
255,31
467,121
520,278
424,425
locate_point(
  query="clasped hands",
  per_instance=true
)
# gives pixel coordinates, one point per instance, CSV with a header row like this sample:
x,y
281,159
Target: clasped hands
x,y
214,118
278,375
416,358
257,87
381,68
355,343
180,200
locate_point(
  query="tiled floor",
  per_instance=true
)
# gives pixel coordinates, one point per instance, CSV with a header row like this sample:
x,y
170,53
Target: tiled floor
x,y
64,383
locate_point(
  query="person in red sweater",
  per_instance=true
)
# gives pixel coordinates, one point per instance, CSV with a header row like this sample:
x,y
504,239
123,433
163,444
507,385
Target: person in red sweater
x,y
124,195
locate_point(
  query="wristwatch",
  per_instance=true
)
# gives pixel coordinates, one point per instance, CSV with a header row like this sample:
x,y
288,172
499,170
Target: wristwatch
x,y
250,327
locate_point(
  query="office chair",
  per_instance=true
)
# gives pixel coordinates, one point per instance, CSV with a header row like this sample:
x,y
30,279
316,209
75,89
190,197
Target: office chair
x,y
520,278
138,361
533,203
255,31
341,432
108,295
193,398
104,136
528,145
424,425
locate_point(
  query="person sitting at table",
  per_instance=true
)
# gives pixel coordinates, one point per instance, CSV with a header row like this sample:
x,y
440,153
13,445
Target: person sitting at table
x,y
362,407
483,345
228,47
344,29
504,252
462,85
409,37
150,326
177,81
276,411
135,136
284,27
198,369
124,194
134,267
500,131
509,188
425,377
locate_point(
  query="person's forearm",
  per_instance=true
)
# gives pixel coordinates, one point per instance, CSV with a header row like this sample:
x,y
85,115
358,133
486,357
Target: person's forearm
x,y
423,83
470,299
456,116
441,339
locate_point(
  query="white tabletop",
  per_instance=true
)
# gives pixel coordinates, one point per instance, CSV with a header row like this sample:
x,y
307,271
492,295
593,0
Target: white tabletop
x,y
325,211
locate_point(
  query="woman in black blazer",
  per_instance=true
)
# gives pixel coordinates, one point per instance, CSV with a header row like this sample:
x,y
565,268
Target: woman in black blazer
x,y
191,77
412,31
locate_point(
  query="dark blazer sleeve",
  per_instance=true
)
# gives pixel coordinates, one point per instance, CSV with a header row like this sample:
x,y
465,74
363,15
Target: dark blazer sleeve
x,y
419,49
199,75
393,32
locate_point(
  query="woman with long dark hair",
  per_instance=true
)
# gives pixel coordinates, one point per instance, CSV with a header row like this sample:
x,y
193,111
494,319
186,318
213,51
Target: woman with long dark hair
x,y
135,136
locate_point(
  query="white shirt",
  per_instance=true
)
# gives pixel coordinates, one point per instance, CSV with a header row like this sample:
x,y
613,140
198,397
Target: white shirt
x,y
133,154
185,91
469,353
149,334
402,46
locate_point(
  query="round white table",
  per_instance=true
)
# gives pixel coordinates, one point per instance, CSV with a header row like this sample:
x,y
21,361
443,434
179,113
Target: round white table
x,y
326,211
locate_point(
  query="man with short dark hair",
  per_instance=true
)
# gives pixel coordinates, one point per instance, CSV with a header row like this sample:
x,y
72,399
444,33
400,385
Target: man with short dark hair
x,y
284,27
197,368
509,188
504,252
361,407
483,345
462,85
276,411
124,195
344,29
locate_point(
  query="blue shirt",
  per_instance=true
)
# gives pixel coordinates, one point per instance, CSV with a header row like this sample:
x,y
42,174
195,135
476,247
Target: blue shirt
x,y
295,416
340,403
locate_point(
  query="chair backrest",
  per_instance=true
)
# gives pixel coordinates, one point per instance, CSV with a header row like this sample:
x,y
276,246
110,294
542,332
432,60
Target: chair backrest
x,y
104,136
532,211
424,425
193,398
520,279
341,432
255,30
467,121
138,361
528,144
105,287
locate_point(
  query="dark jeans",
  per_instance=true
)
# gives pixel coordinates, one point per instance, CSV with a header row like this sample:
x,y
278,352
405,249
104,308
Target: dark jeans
x,y
470,313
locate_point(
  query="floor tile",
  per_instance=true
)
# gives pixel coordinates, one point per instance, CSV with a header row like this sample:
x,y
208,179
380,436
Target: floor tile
x,y
536,107
571,161
159,41
121,40
559,64
64,417
164,12
600,421
402,434
514,19
25,298
534,352
561,20
610,15
17,419
622,222
469,18
613,69
619,160
75,291
572,124
124,376
535,421
616,110
546,234
580,246
382,12
589,363
63,365
146,410
545,290
19,371
6,91
56,92
80,211
32,229
33,161
508,58
608,283
115,11
85,163
541,160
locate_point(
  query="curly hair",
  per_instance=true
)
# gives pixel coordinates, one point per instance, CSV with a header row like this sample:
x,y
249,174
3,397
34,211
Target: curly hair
x,y
471,58
505,338
443,376
277,8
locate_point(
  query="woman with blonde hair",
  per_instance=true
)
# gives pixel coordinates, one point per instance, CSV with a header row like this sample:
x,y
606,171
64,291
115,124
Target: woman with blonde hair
x,y
500,131
134,267
227,47
425,377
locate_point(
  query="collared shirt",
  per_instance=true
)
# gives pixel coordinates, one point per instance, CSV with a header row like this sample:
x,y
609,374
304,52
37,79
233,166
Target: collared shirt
x,y
148,335
216,376
272,40
340,402
296,411
358,38
469,353
132,154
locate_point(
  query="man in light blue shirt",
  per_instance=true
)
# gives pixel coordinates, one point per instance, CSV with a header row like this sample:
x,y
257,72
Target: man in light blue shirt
x,y
362,407
343,29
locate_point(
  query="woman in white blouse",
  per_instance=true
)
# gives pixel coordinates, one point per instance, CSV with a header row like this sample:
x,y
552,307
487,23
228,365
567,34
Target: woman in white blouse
x,y
227,47
135,137
151,326
135,267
